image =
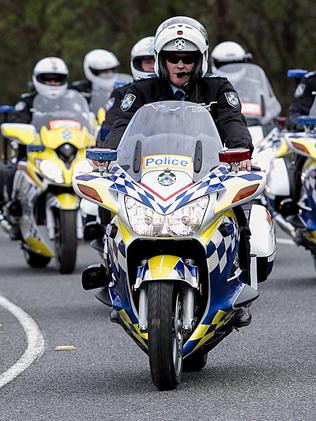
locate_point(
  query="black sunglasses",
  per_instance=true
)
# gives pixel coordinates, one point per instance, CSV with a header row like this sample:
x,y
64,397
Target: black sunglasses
x,y
186,59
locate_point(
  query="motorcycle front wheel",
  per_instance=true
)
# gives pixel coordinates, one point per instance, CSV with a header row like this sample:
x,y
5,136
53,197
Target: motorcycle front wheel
x,y
165,338
66,240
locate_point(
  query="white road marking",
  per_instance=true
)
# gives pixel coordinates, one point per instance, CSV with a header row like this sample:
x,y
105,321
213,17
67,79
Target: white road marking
x,y
35,341
285,241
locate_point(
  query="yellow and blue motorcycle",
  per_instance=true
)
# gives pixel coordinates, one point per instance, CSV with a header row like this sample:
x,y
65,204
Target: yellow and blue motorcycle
x,y
171,270
50,220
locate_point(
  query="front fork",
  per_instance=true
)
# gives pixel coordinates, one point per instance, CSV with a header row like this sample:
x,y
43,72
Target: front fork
x,y
168,269
63,202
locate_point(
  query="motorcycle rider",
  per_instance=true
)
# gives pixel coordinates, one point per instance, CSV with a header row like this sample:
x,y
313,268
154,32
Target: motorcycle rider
x,y
181,62
100,68
303,103
228,52
50,78
304,97
142,67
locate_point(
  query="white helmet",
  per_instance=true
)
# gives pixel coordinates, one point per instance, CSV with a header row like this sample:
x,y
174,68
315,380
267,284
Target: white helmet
x,y
228,52
46,70
181,34
143,49
96,61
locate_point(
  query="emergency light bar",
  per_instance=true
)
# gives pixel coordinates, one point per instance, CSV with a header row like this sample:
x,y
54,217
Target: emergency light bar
x,y
296,73
101,154
306,121
234,155
5,109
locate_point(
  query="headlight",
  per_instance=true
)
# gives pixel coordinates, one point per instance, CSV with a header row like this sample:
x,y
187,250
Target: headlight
x,y
51,170
184,221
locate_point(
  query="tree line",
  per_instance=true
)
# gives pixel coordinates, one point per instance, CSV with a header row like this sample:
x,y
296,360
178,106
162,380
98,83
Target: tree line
x,y
280,34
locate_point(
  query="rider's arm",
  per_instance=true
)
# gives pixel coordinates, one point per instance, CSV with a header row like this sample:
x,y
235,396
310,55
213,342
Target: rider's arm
x,y
131,102
22,112
112,113
231,124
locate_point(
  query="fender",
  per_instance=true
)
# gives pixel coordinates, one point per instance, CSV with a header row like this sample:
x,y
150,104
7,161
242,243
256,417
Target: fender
x,y
66,201
166,267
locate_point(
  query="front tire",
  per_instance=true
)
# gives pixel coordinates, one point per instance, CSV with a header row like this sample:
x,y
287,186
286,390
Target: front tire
x,y
66,240
165,337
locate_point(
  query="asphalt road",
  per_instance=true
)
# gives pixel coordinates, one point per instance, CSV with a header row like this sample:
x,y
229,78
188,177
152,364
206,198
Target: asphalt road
x,y
264,372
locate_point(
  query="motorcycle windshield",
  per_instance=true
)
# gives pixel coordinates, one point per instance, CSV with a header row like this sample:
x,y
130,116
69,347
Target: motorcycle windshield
x,y
258,102
70,110
170,128
312,111
100,94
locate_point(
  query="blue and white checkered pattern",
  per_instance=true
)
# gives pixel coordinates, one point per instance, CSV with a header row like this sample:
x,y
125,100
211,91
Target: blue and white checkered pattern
x,y
125,184
220,247
212,182
310,184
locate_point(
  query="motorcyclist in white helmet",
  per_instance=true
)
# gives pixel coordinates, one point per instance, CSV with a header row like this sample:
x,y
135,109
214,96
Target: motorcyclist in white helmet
x,y
228,52
181,63
142,58
101,71
142,67
50,78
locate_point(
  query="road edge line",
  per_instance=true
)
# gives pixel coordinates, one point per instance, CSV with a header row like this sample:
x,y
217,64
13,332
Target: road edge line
x,y
35,341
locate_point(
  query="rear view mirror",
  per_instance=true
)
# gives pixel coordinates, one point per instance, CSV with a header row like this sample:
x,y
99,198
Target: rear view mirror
x,y
25,133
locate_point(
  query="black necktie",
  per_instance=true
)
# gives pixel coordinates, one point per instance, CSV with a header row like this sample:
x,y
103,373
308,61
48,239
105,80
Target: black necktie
x,y
179,95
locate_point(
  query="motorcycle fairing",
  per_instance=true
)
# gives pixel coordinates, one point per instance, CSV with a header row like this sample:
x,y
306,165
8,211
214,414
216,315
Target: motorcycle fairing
x,y
53,138
302,144
219,179
221,251
309,185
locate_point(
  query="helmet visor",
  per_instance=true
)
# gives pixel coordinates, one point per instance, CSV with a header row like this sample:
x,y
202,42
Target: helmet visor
x,y
103,72
56,79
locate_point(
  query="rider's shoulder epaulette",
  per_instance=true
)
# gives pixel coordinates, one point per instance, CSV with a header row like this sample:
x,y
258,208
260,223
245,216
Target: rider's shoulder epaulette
x,y
310,74
214,76
149,76
28,95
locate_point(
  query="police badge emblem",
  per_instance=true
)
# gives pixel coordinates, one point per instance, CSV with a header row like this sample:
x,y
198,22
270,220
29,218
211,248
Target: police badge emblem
x,y
127,102
180,44
66,134
166,178
232,99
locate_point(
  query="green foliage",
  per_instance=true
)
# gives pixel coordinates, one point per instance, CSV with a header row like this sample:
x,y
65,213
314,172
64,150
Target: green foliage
x,y
280,34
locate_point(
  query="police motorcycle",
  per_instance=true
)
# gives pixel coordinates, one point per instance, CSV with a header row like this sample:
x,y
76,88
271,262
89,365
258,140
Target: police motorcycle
x,y
281,180
171,270
56,141
6,167
259,106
